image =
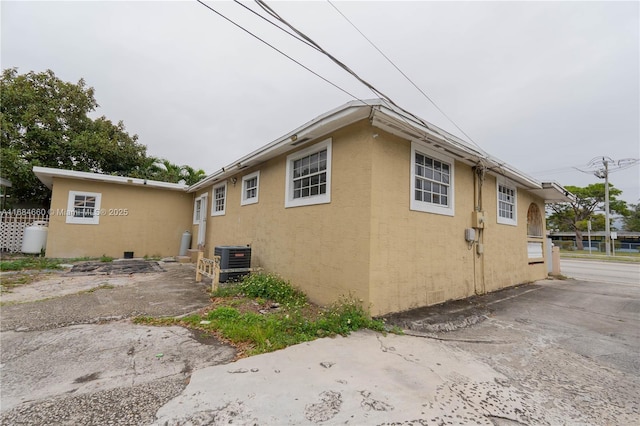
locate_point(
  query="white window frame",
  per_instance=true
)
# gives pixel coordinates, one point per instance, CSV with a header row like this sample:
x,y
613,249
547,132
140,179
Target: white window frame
x,y
423,206
197,212
325,198
250,200
94,220
222,212
501,219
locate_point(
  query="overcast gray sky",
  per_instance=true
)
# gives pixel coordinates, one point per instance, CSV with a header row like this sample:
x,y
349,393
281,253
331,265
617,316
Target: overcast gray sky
x,y
544,86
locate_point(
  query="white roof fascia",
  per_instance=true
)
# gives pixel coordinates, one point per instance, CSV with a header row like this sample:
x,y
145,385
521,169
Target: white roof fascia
x,y
46,175
337,118
553,192
405,126
387,118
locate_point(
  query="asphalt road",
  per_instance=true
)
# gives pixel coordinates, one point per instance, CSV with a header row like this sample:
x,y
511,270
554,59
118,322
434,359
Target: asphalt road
x,y
600,271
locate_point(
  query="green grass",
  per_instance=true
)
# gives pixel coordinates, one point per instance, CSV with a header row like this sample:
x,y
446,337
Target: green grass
x,y
36,263
619,257
295,321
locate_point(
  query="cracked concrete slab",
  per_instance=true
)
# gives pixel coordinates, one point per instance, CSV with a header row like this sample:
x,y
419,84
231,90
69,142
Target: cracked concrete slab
x,y
556,352
373,379
36,365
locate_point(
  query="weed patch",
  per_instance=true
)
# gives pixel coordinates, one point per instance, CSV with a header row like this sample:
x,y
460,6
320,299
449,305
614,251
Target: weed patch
x,y
31,262
264,313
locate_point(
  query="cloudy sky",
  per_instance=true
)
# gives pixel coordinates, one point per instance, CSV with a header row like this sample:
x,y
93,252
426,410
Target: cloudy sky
x,y
544,86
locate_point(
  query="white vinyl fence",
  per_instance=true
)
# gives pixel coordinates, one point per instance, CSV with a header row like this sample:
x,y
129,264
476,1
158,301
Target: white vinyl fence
x,y
12,224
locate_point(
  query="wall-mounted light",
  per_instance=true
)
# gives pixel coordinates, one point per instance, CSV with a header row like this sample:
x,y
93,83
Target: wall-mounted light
x,y
234,180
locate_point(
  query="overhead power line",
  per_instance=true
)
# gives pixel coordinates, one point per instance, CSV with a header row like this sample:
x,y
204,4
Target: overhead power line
x,y
341,64
403,74
276,49
386,99
300,36
599,164
274,24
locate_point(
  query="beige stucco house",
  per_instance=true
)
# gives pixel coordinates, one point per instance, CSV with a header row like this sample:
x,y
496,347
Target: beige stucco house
x,y
92,215
366,200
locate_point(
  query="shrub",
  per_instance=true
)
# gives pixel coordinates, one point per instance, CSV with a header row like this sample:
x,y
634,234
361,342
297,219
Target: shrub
x,y
272,287
293,323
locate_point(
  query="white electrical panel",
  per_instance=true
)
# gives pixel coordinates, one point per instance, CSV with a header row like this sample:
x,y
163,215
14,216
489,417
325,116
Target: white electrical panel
x,y
470,234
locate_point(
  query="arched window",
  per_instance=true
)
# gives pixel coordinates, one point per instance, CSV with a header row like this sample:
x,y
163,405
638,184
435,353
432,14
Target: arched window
x,y
534,221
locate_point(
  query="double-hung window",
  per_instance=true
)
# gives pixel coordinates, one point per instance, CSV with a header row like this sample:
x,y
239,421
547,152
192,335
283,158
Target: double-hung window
x,y
308,176
250,188
507,203
219,201
83,207
431,181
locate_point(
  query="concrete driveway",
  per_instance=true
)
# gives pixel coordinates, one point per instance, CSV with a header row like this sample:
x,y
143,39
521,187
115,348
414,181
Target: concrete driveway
x,y
554,352
71,356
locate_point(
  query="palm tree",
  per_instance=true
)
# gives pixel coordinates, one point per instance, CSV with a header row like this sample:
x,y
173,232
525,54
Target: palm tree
x,y
148,169
192,176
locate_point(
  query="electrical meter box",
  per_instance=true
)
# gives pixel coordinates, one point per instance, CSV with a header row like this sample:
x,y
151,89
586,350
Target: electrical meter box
x,y
477,219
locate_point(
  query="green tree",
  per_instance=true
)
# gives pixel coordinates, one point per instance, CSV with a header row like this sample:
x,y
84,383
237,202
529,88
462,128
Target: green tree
x,y
573,216
163,170
44,122
632,220
192,176
147,169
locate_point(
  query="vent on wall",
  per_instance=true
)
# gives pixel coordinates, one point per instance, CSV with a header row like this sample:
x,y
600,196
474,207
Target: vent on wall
x,y
233,257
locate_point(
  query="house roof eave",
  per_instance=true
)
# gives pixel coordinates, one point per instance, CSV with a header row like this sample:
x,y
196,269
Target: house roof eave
x,y
46,175
553,192
326,123
395,122
391,119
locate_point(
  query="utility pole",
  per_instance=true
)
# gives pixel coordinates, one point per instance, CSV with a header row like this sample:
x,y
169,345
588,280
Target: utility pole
x,y
603,173
607,225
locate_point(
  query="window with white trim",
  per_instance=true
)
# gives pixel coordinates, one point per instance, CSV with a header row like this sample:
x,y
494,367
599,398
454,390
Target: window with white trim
x,y
250,188
432,173
308,176
507,203
197,210
219,200
83,207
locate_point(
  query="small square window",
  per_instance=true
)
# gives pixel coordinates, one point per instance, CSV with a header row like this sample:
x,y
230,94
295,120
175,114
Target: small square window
x,y
250,188
83,207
